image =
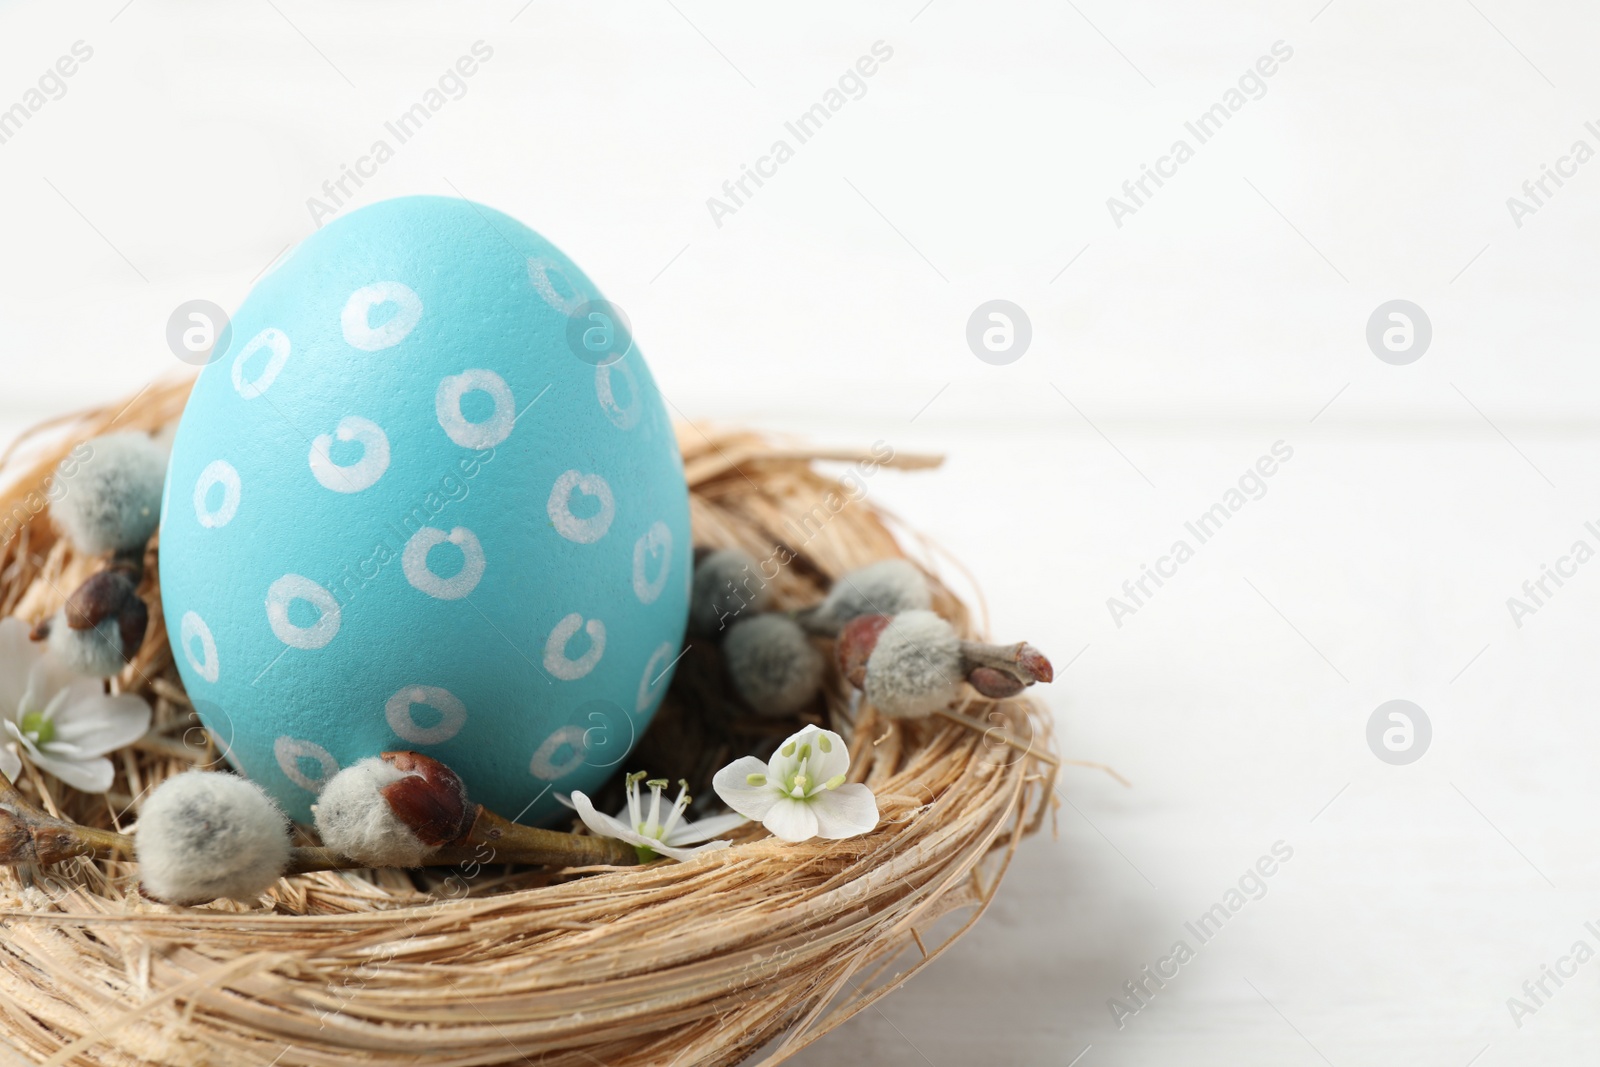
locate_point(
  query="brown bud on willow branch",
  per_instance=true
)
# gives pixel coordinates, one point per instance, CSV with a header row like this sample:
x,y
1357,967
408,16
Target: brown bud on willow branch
x,y
410,810
102,624
912,664
404,809
203,835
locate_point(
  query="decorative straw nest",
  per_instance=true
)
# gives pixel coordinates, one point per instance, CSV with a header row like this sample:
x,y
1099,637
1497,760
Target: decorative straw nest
x,y
706,962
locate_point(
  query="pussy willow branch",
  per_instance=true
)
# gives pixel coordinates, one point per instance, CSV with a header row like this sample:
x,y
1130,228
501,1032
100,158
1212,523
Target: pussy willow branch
x,y
28,835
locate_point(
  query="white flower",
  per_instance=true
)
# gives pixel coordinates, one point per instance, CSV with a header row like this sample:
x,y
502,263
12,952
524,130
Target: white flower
x,y
802,793
647,832
65,723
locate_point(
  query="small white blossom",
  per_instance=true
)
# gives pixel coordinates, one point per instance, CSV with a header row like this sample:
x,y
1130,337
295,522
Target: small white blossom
x,y
649,833
65,723
801,793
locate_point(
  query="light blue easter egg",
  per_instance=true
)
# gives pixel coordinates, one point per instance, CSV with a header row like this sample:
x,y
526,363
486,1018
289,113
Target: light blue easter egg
x,y
420,503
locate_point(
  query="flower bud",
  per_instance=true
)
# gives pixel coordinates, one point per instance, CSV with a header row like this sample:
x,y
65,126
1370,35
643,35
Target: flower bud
x,y
994,683
911,665
101,626
915,666
855,644
727,586
204,835
393,810
886,587
1022,661
112,502
431,799
773,664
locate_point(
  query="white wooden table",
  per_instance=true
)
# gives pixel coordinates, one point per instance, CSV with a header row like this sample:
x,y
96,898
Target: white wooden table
x,y
1419,897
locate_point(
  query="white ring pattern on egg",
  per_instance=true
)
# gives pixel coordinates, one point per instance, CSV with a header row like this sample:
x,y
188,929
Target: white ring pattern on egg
x,y
357,324
623,418
414,561
289,751
543,764
653,669
452,714
583,531
193,628
539,272
275,340
287,590
491,431
555,647
363,473
656,541
217,472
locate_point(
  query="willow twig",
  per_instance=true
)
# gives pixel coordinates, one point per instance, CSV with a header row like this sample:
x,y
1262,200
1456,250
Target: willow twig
x,y
28,835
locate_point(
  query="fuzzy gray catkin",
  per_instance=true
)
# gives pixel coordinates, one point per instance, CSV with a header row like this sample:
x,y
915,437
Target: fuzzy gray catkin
x,y
95,652
886,587
112,501
727,586
355,819
774,666
915,668
204,835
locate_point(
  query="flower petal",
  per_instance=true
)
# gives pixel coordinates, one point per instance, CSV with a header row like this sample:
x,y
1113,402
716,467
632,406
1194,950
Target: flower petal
x,y
792,820
605,825
17,654
692,833
77,690
20,738
89,776
10,763
96,724
682,854
822,764
733,786
845,812
63,750
786,760
47,677
830,756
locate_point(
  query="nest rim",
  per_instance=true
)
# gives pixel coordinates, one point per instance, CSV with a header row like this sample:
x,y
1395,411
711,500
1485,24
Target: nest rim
x,y
764,946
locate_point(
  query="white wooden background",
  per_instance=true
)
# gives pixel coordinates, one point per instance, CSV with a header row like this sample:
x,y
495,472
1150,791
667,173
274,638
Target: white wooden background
x,y
1226,314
